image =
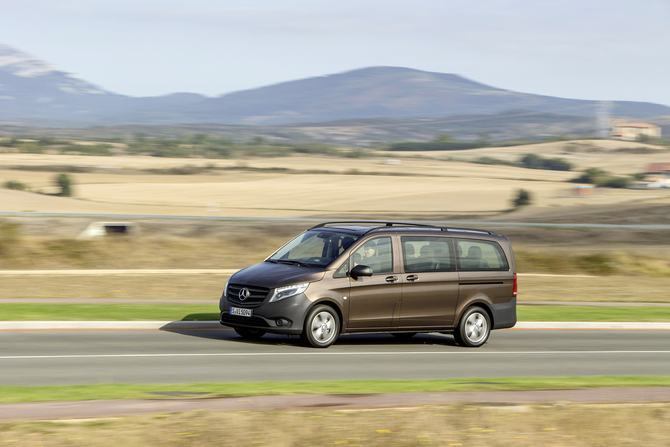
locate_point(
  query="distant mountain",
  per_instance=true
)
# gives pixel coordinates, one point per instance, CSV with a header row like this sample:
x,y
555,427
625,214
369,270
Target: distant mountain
x,y
30,88
34,91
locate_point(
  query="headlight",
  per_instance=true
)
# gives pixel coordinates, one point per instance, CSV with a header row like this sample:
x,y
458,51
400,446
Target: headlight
x,y
288,291
225,289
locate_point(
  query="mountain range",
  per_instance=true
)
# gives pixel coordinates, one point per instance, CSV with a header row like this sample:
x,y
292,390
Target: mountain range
x,y
33,91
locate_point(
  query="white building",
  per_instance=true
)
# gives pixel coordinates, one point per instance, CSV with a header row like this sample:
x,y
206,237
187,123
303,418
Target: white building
x,y
632,131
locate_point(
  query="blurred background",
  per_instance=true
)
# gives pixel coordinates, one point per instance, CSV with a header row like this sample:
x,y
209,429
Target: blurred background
x,y
202,135
491,114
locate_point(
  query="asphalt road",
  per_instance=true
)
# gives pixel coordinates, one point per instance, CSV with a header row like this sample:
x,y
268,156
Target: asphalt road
x,y
87,357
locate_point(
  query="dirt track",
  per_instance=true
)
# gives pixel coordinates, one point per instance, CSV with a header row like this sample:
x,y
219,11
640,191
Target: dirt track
x,y
111,408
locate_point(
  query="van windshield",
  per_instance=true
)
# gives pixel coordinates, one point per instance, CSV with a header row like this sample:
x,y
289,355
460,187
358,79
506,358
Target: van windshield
x,y
314,248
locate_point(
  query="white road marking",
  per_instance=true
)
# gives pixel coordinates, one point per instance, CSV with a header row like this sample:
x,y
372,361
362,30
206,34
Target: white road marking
x,y
280,354
106,272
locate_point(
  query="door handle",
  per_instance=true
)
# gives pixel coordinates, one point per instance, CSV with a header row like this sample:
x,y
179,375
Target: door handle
x,y
413,278
391,278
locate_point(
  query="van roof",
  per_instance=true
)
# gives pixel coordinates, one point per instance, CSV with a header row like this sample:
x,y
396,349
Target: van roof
x,y
363,227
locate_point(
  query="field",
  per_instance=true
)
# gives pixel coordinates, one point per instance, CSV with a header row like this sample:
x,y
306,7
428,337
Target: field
x,y
456,425
418,185
618,264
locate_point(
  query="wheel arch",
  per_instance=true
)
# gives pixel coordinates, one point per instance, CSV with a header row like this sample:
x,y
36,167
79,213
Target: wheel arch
x,y
483,304
330,303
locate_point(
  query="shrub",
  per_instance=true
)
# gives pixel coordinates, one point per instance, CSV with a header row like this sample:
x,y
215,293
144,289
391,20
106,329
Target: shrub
x,y
534,161
601,178
590,175
493,161
13,184
522,198
64,182
615,182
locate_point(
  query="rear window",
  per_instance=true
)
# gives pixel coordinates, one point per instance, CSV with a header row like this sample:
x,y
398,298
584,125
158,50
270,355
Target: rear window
x,y
480,255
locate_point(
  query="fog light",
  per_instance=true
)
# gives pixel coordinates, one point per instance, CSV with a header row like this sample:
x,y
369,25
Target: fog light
x,y
283,322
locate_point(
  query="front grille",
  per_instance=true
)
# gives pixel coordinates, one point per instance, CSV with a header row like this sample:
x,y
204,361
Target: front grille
x,y
234,320
256,294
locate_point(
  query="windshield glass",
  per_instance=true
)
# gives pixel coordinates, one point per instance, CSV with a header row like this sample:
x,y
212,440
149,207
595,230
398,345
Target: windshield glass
x,y
314,248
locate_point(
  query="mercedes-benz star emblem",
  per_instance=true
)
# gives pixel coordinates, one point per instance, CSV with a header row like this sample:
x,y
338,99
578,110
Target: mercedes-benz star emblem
x,y
244,294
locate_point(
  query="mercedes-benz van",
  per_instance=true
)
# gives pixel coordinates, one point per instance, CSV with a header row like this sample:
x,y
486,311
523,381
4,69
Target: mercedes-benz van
x,y
352,277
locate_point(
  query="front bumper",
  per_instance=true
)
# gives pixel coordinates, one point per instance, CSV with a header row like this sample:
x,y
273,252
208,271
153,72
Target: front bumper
x,y
282,317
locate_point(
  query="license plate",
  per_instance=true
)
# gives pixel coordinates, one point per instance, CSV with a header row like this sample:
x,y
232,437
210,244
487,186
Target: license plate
x,y
240,312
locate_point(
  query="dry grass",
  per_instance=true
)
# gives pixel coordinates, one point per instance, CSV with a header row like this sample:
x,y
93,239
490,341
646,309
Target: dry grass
x,y
207,286
636,266
427,186
164,287
606,289
618,157
573,425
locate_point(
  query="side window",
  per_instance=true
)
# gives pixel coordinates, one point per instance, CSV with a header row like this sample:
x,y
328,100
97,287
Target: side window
x,y
427,254
480,255
342,271
376,254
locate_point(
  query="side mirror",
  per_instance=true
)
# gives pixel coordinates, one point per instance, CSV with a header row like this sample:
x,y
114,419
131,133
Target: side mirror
x,y
360,270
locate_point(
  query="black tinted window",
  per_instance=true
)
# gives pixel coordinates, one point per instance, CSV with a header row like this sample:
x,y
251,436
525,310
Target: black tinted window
x,y
480,255
427,254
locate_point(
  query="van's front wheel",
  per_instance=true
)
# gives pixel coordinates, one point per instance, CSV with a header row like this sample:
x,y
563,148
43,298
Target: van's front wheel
x,y
474,328
322,326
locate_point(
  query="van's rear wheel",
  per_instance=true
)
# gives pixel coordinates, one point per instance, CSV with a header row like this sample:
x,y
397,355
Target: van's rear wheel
x,y
249,333
322,326
474,328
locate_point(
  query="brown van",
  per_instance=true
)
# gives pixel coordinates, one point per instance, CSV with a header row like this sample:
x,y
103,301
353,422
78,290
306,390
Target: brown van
x,y
353,277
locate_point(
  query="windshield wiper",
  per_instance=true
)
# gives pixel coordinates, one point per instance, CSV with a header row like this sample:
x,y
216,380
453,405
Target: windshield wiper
x,y
287,261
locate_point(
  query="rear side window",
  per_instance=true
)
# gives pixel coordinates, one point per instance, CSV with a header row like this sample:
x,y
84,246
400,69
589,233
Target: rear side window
x,y
480,255
427,254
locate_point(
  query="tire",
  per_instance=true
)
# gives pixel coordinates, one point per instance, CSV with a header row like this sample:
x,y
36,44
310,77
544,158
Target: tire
x,y
249,333
403,335
322,326
474,328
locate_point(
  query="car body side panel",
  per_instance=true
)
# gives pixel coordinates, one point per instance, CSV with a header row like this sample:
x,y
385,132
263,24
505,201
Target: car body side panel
x,y
428,301
491,288
372,301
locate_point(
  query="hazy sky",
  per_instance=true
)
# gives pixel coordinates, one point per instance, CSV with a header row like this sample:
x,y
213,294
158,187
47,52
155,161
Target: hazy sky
x,y
587,49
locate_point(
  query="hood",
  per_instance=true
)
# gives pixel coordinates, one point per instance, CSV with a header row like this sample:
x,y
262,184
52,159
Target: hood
x,y
270,275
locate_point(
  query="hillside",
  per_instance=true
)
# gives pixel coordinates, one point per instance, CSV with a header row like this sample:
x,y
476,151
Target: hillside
x,y
35,93
354,132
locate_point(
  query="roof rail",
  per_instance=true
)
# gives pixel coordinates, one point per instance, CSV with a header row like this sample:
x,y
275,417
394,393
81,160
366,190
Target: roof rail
x,y
471,230
373,222
403,224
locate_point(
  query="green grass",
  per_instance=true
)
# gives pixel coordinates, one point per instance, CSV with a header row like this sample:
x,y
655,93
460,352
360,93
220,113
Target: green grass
x,y
107,312
205,312
133,391
593,313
